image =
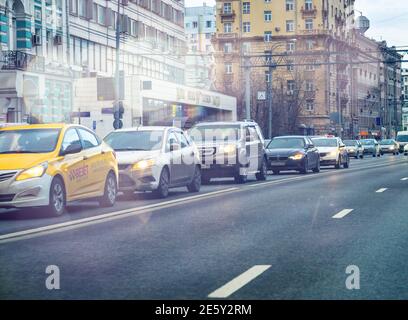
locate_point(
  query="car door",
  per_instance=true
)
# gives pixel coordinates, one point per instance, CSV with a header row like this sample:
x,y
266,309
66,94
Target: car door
x,y
343,150
312,153
187,156
73,167
254,149
176,166
94,160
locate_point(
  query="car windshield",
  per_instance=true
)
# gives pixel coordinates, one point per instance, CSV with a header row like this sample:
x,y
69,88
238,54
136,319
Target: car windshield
x,y
325,142
28,141
215,133
402,138
387,142
367,142
287,143
135,140
350,143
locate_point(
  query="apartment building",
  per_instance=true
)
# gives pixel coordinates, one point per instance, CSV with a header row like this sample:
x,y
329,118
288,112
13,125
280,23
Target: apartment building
x,y
404,74
46,44
200,26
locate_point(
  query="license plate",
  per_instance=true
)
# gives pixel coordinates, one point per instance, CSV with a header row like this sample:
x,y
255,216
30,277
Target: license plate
x,y
278,163
205,166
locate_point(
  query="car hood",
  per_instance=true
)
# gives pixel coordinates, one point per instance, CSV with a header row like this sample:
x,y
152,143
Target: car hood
x,y
130,157
369,146
283,152
18,161
326,149
215,144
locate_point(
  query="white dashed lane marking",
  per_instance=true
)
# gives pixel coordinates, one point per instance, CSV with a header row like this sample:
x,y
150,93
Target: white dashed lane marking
x,y
237,283
381,190
342,213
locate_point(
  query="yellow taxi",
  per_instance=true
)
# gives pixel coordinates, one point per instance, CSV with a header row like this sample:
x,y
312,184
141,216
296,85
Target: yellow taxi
x,y
48,165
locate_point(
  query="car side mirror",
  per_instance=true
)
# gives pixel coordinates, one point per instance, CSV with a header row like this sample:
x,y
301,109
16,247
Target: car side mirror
x,y
72,149
342,145
310,146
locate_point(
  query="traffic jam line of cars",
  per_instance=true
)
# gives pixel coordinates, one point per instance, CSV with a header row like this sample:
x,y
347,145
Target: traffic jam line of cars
x,y
51,165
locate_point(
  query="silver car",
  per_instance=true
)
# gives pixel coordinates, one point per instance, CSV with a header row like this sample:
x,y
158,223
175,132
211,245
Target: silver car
x,y
155,159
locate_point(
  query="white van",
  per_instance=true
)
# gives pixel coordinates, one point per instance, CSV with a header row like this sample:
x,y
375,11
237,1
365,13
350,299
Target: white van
x,y
402,139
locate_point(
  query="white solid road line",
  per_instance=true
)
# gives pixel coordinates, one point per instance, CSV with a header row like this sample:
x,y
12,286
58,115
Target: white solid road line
x,y
381,190
342,213
237,283
106,217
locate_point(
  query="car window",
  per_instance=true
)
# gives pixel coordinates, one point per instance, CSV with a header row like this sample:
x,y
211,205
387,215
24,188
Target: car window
x,y
183,141
89,140
71,137
172,139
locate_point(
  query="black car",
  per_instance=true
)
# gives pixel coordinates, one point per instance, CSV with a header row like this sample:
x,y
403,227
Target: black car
x,y
296,153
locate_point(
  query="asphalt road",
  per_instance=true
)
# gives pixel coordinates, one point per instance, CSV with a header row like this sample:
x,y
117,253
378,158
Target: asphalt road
x,y
291,237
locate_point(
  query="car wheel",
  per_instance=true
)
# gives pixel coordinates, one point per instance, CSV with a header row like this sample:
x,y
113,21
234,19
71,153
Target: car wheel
x,y
338,164
277,172
362,156
374,155
111,190
263,172
56,207
317,169
305,167
240,179
195,184
346,165
162,190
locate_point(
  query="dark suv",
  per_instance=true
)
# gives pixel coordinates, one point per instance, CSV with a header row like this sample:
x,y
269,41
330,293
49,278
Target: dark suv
x,y
230,149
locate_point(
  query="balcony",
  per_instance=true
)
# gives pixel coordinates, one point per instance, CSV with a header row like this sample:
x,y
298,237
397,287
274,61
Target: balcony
x,y
19,60
309,12
227,36
226,16
310,95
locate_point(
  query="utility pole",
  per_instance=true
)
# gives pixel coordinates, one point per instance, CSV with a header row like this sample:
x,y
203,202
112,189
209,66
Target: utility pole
x,y
117,64
270,96
247,65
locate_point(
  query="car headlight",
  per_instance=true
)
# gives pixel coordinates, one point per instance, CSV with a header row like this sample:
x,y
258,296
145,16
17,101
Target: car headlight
x,y
34,172
392,148
298,156
333,153
352,149
229,148
143,164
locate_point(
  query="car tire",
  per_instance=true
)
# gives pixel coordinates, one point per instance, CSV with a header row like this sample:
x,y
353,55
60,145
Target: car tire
x,y
346,165
57,203
240,179
317,169
110,192
374,155
195,184
338,164
304,170
362,156
263,172
162,190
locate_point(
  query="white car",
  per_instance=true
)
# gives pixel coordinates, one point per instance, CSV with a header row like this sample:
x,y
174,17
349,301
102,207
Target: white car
x,y
406,150
332,152
155,159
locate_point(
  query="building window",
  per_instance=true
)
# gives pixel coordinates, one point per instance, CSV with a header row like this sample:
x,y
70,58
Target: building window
x,y
227,27
227,47
228,68
309,86
310,67
268,16
208,24
268,36
290,66
246,47
227,8
290,46
309,24
267,77
101,15
247,27
290,26
268,57
309,105
82,8
310,45
290,5
195,24
246,8
291,86
308,5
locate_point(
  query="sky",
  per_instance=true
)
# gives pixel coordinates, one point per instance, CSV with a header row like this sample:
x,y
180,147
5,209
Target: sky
x,y
389,18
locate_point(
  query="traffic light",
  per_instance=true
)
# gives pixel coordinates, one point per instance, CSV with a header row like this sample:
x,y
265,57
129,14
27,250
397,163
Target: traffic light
x,y
118,111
